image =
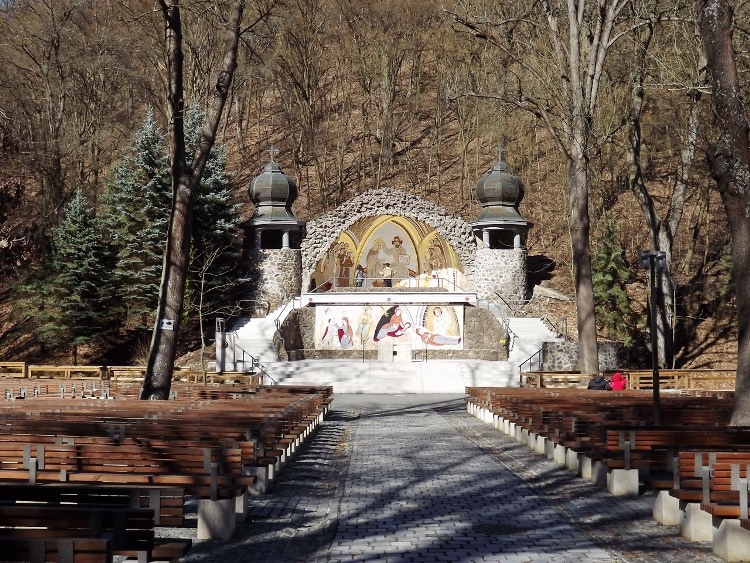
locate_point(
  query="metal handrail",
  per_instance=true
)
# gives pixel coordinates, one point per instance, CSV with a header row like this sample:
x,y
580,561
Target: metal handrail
x,y
562,332
286,308
254,362
539,353
510,307
553,322
416,282
512,336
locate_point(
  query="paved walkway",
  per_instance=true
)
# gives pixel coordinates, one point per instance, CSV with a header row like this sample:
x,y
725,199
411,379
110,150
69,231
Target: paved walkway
x,y
414,478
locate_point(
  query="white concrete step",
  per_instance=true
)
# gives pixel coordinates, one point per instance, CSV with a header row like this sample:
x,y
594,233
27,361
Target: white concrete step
x,y
433,376
255,337
531,334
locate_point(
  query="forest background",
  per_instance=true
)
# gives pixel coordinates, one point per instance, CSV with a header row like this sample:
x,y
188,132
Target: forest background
x,y
415,95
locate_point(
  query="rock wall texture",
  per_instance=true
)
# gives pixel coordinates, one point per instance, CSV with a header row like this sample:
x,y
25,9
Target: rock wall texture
x,y
563,356
484,339
501,270
322,232
276,274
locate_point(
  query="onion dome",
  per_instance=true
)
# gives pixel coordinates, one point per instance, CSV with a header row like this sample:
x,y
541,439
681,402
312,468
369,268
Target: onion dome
x,y
273,193
500,192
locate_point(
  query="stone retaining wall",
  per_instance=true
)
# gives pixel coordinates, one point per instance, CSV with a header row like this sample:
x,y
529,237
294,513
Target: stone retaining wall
x,y
563,356
484,339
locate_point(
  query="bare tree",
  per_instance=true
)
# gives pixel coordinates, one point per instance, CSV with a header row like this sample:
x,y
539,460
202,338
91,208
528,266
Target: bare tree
x,y
729,160
185,179
561,84
662,229
303,42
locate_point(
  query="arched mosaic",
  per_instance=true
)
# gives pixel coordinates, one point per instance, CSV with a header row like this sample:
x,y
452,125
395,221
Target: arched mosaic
x,y
387,209
414,253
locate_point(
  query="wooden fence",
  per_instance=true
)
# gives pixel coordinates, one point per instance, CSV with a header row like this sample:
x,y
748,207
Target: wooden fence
x,y
122,373
682,379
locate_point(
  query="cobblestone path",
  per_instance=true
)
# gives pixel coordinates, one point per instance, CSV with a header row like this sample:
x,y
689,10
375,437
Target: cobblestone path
x,y
414,478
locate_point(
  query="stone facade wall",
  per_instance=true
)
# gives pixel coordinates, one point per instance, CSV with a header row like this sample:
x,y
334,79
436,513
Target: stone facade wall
x,y
484,339
322,232
501,270
563,356
277,275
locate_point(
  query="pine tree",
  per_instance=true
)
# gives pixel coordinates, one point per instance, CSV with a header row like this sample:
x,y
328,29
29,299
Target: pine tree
x,y
73,297
610,276
137,200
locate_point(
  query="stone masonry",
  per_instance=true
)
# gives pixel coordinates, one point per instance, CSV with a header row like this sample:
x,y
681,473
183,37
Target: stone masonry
x,y
322,232
563,356
278,273
502,271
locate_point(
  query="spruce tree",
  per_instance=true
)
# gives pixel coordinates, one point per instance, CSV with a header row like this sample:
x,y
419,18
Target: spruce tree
x,y
610,277
137,204
73,297
213,269
137,200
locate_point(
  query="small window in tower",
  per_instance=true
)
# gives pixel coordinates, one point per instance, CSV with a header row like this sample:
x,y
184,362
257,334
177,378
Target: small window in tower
x,y
501,239
270,239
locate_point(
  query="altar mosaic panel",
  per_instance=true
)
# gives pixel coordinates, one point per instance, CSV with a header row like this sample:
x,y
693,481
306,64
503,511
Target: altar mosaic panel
x,y
357,327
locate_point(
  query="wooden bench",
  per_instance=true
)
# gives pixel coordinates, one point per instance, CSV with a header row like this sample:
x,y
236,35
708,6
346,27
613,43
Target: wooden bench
x,y
216,450
42,550
166,502
129,530
712,490
576,423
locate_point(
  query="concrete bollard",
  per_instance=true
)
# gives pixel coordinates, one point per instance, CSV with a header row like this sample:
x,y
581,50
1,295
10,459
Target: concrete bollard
x,y
695,524
623,482
216,519
731,541
666,509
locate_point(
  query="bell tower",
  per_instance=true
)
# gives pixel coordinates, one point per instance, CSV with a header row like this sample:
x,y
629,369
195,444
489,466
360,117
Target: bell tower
x,y
501,230
273,236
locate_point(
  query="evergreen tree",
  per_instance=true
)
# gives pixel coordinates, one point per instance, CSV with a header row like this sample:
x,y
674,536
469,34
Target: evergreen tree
x,y
215,254
137,204
610,276
73,297
137,200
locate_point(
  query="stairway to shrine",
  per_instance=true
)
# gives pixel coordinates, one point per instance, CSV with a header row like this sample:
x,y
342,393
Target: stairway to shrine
x,y
254,337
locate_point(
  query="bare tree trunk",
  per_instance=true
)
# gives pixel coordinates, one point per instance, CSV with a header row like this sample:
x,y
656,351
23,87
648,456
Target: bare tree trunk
x,y
729,159
662,232
185,180
588,355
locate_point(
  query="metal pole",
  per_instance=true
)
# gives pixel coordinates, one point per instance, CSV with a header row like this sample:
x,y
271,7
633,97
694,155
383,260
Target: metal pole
x,y
654,341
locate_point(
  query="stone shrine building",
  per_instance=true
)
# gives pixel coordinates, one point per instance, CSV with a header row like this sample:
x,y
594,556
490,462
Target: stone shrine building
x,y
387,271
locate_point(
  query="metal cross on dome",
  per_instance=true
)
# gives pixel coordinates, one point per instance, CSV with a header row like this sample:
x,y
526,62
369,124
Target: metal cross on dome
x,y
272,151
500,151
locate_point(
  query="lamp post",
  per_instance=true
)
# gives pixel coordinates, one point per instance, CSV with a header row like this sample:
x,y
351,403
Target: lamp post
x,y
650,260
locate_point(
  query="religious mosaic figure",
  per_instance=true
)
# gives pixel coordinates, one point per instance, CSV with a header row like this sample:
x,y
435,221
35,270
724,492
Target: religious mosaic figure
x,y
438,336
400,258
364,324
373,264
341,330
435,256
391,324
345,266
